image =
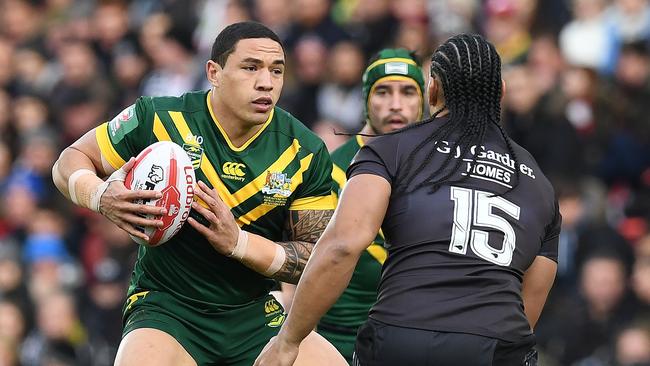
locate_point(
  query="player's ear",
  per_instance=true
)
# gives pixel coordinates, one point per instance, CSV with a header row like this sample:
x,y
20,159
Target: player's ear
x,y
432,90
213,71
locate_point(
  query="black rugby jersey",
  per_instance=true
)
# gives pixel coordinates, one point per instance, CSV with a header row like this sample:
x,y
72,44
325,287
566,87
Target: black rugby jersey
x,y
456,257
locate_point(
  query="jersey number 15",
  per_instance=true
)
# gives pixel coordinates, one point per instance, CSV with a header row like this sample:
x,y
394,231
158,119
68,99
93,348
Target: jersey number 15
x,y
474,208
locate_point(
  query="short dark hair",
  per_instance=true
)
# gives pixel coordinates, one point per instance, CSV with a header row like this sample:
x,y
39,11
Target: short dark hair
x,y
639,48
226,41
182,36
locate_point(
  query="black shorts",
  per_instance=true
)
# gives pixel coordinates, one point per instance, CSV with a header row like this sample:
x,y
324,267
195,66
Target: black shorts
x,y
380,344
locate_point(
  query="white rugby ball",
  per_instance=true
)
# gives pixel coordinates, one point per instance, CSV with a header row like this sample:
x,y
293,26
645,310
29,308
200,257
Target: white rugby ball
x,y
165,167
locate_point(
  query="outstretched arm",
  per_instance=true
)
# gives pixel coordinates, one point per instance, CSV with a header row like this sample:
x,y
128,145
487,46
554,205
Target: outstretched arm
x,y
355,223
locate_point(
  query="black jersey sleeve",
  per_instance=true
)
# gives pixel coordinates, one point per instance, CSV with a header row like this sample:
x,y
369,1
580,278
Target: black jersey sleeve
x,y
550,241
373,159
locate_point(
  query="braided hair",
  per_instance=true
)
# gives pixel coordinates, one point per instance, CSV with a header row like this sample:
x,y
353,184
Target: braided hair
x,y
469,70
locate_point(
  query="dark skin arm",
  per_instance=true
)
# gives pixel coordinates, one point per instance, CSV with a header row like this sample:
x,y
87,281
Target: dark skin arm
x,y
356,221
537,283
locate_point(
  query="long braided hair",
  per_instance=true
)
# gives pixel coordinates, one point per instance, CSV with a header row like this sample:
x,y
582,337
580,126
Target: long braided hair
x,y
469,69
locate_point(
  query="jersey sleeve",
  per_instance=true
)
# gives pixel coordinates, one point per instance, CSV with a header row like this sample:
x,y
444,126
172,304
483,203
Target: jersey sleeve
x,y
338,179
550,242
369,160
127,134
315,192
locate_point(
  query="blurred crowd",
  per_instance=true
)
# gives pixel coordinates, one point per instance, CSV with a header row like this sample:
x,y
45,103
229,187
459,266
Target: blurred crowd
x,y
578,98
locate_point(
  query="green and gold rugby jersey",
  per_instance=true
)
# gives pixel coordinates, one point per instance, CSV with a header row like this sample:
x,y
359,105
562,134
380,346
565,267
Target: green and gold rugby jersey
x,y
351,309
282,167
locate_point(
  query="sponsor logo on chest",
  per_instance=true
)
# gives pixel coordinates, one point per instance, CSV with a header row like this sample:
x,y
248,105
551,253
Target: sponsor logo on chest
x,y
233,171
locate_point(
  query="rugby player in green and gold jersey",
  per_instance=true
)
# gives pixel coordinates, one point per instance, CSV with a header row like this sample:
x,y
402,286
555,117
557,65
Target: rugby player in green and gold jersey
x,y
203,298
392,88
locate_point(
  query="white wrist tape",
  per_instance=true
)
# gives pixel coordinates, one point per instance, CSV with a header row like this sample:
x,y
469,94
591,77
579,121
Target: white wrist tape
x,y
242,246
96,195
278,261
72,182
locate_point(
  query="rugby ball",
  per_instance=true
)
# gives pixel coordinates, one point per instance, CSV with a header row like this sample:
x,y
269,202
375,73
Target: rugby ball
x,y
164,167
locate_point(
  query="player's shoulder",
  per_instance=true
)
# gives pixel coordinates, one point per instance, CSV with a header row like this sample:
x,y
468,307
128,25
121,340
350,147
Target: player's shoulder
x,y
189,102
343,155
400,142
286,124
530,172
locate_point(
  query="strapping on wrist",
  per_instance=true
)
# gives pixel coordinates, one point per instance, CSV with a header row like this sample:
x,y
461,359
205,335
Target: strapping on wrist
x,y
278,261
239,252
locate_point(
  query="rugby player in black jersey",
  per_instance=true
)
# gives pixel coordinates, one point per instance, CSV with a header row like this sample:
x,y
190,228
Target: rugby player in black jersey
x,y
471,227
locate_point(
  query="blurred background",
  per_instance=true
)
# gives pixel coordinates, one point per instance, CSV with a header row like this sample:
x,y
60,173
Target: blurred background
x,y
578,98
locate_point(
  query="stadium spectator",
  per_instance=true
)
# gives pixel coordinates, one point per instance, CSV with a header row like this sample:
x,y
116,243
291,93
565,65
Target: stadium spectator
x,y
586,40
372,24
633,345
13,325
310,62
311,18
531,121
59,334
174,69
338,99
602,309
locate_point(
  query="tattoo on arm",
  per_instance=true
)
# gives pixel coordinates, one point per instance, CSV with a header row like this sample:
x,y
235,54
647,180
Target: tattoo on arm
x,y
304,228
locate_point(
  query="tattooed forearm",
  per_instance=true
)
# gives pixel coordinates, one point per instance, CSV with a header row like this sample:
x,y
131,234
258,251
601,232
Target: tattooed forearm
x,y
297,254
304,228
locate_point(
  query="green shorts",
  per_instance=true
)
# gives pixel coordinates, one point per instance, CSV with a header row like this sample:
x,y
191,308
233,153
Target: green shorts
x,y
343,338
234,335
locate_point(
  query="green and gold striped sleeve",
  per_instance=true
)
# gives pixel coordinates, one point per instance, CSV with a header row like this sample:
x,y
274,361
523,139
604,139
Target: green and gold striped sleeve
x,y
315,192
125,135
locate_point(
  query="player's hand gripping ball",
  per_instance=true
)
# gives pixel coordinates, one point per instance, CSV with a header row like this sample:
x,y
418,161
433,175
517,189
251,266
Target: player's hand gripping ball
x,y
164,167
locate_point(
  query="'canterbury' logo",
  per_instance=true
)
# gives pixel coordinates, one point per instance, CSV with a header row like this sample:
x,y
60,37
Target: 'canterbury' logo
x,y
271,306
235,169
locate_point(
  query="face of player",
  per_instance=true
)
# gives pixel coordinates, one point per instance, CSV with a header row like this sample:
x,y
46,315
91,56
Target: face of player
x,y
394,104
252,79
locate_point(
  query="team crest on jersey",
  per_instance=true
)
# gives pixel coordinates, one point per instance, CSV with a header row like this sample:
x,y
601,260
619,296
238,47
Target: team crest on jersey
x,y
277,183
277,188
195,152
122,124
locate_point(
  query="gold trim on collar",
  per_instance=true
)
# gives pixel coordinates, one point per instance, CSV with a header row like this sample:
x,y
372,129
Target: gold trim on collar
x,y
360,141
225,135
